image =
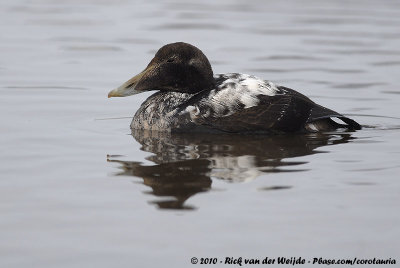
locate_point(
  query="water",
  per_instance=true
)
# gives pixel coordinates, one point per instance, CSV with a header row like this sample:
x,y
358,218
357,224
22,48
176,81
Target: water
x,y
78,190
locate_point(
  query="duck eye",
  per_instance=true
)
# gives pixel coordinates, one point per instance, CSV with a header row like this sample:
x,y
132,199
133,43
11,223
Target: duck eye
x,y
170,60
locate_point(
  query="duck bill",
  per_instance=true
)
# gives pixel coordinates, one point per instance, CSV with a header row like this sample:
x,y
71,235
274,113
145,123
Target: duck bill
x,y
128,88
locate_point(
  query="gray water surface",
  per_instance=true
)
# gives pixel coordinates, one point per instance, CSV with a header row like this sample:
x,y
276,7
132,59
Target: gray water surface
x,y
77,189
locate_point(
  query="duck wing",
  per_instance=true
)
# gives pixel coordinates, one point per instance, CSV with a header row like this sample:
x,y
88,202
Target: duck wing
x,y
284,111
272,114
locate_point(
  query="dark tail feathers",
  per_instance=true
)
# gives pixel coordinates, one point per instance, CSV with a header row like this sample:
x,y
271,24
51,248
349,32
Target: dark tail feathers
x,y
319,112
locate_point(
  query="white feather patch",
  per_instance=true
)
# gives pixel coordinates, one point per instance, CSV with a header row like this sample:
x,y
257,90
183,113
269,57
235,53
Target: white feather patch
x,y
240,88
193,111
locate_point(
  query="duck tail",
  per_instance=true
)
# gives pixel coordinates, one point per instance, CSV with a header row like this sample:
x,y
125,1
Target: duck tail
x,y
319,113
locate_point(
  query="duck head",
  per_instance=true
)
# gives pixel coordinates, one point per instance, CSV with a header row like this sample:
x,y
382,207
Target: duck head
x,y
178,67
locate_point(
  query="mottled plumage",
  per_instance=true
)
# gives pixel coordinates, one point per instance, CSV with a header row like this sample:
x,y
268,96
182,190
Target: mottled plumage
x,y
190,98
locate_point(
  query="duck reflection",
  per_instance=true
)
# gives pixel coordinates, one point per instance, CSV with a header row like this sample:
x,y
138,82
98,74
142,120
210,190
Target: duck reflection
x,y
185,164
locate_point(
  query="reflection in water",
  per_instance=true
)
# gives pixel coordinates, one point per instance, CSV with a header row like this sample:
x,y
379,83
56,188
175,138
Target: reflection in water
x,y
185,164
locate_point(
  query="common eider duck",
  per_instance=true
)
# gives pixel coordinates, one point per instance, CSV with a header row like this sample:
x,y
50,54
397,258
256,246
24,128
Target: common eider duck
x,y
190,97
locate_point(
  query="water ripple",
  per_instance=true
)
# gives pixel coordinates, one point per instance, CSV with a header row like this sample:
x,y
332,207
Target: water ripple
x,y
324,70
358,85
190,26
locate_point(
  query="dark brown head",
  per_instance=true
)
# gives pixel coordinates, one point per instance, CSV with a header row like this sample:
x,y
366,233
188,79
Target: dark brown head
x,y
177,67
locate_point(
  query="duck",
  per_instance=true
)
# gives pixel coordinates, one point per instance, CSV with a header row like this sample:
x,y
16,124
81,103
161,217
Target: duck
x,y
189,97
